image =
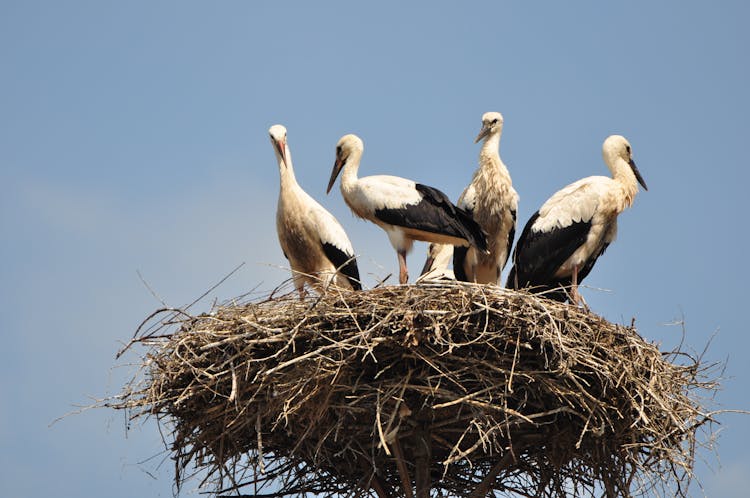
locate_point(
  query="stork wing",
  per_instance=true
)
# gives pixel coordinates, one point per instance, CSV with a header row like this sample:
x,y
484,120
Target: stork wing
x,y
346,264
335,243
459,263
511,233
539,254
435,213
577,202
467,200
555,232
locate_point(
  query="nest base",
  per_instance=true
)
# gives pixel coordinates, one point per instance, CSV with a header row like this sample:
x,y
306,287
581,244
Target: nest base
x,y
451,389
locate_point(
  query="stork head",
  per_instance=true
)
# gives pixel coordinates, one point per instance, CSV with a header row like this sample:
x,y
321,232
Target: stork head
x,y
438,257
348,146
277,134
492,124
617,147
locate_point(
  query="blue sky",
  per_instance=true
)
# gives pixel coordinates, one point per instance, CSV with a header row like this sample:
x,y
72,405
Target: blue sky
x,y
133,137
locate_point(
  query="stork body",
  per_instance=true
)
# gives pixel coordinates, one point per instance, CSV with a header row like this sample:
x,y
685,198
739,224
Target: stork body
x,y
406,210
318,250
561,242
492,202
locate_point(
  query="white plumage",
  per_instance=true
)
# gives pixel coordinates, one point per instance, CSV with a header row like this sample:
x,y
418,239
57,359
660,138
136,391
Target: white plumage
x,y
406,210
492,202
314,242
561,242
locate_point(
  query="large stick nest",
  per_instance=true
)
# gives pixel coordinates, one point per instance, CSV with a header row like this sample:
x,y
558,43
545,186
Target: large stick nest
x,y
470,389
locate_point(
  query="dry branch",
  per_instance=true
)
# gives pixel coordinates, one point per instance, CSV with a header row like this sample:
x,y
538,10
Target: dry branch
x,y
466,389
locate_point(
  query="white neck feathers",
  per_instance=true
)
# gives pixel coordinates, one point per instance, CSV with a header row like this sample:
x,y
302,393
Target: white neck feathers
x,y
489,157
350,170
286,170
624,176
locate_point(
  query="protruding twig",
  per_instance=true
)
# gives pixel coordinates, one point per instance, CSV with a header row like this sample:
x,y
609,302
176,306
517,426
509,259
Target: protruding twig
x,y
486,484
422,459
403,471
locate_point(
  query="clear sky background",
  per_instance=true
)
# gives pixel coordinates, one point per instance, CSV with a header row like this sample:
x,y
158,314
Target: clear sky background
x,y
133,137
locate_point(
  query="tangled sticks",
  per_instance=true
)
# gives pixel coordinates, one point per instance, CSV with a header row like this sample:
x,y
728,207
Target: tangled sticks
x,y
442,388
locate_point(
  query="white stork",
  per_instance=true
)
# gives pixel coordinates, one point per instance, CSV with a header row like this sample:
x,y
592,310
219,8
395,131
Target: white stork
x,y
318,250
492,202
406,210
436,264
561,242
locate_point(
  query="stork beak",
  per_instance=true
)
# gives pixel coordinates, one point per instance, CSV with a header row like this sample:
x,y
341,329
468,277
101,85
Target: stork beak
x,y
427,264
638,175
281,147
335,173
482,133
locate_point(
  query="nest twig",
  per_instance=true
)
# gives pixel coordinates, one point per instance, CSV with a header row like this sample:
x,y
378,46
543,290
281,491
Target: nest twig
x,y
449,388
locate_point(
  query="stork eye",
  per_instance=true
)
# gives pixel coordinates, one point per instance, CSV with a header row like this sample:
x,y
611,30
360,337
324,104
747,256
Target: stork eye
x,y
627,147
494,121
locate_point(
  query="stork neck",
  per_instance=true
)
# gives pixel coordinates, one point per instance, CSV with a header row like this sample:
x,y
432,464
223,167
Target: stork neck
x,y
444,257
489,154
286,171
624,176
489,158
351,167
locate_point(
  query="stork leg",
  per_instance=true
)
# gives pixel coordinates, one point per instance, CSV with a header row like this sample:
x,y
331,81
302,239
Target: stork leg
x,y
299,284
575,297
330,280
403,273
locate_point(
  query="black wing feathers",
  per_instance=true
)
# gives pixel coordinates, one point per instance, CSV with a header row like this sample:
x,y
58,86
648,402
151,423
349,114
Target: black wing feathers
x,y
459,258
345,263
511,233
538,255
467,227
435,213
586,269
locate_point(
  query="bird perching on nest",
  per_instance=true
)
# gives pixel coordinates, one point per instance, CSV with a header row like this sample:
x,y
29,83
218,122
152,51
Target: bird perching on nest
x,y
561,242
314,242
436,265
492,202
406,210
